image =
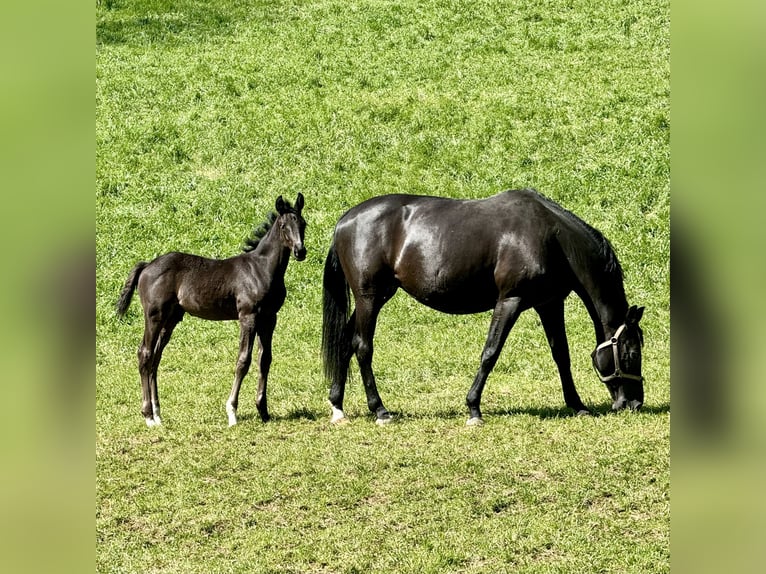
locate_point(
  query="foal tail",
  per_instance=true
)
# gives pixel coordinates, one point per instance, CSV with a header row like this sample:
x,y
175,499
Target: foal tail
x,y
335,308
130,286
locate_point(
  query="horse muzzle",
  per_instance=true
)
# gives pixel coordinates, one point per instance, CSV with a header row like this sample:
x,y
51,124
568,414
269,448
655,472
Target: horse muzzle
x,y
622,403
299,252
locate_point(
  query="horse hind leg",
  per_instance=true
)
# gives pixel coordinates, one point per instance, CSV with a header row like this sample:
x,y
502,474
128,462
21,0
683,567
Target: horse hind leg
x,y
164,337
367,311
147,367
158,328
338,387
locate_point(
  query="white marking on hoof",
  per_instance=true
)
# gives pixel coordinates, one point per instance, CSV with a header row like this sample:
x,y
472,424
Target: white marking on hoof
x,y
337,416
474,422
384,421
150,422
232,413
156,410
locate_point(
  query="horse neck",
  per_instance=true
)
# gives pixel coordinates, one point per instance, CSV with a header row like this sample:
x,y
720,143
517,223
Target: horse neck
x,y
273,255
606,304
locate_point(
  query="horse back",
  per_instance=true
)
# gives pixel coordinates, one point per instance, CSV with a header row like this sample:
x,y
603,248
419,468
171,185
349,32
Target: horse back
x,y
215,289
457,256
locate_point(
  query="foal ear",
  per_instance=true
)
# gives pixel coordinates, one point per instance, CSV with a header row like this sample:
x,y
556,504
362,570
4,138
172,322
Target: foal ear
x,y
299,202
634,315
280,205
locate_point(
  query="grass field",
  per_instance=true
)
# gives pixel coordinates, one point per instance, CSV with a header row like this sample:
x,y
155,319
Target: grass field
x,y
205,112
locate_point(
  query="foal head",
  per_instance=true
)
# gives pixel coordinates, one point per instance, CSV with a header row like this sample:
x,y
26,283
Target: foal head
x,y
291,226
618,362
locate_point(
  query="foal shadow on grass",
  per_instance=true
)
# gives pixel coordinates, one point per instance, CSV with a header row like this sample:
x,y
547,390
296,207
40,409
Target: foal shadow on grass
x,y
296,414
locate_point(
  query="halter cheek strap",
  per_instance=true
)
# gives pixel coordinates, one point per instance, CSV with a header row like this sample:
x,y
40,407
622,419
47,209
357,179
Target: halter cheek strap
x,y
618,372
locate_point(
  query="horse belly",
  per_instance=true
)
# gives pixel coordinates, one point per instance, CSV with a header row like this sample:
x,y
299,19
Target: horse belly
x,y
451,296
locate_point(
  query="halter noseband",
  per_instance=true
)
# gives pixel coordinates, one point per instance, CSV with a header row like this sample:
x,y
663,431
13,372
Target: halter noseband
x,y
618,373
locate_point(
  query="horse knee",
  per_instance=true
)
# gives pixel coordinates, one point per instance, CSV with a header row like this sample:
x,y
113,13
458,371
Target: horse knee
x,y
243,365
144,357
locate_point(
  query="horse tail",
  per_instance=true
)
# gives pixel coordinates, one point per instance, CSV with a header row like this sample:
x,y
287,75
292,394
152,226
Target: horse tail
x,y
335,316
130,286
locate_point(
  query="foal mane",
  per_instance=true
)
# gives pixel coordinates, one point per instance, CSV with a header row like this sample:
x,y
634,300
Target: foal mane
x,y
260,232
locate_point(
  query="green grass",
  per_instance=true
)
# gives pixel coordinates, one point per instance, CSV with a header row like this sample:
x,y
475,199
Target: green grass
x,y
205,113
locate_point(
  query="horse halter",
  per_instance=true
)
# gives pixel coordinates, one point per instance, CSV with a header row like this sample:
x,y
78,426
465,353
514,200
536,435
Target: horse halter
x,y
618,372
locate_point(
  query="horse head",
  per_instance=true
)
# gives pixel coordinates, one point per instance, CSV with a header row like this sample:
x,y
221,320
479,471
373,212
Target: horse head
x,y
292,226
618,362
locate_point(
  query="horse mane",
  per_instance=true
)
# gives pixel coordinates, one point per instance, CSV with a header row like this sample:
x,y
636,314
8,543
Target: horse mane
x,y
605,250
259,232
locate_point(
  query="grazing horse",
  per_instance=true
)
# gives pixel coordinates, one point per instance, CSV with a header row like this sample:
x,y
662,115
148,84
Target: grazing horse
x,y
249,287
509,252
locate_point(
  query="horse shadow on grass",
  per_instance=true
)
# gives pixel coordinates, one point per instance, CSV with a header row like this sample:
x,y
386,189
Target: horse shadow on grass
x,y
542,413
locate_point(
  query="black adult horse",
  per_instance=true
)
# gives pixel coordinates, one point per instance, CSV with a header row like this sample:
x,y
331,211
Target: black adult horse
x,y
249,287
509,252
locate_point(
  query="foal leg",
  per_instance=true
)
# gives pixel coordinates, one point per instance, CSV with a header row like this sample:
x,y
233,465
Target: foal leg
x,y
165,332
504,316
246,337
552,318
367,310
146,364
265,332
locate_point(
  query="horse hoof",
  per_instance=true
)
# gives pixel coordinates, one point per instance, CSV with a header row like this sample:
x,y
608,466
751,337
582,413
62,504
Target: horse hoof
x,y
338,417
584,413
150,422
384,420
474,422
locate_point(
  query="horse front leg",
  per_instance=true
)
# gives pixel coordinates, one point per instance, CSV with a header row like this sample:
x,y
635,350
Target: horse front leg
x,y
246,337
552,318
503,318
265,332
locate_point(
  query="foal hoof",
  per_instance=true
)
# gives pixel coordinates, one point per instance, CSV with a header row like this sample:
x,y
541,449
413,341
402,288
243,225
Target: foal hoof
x,y
384,420
153,421
474,422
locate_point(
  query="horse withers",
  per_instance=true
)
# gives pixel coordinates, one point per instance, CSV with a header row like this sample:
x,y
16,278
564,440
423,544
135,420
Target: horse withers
x,y
249,287
509,252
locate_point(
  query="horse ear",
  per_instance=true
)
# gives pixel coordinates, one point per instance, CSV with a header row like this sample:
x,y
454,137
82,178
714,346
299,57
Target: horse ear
x,y
634,315
280,205
299,202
